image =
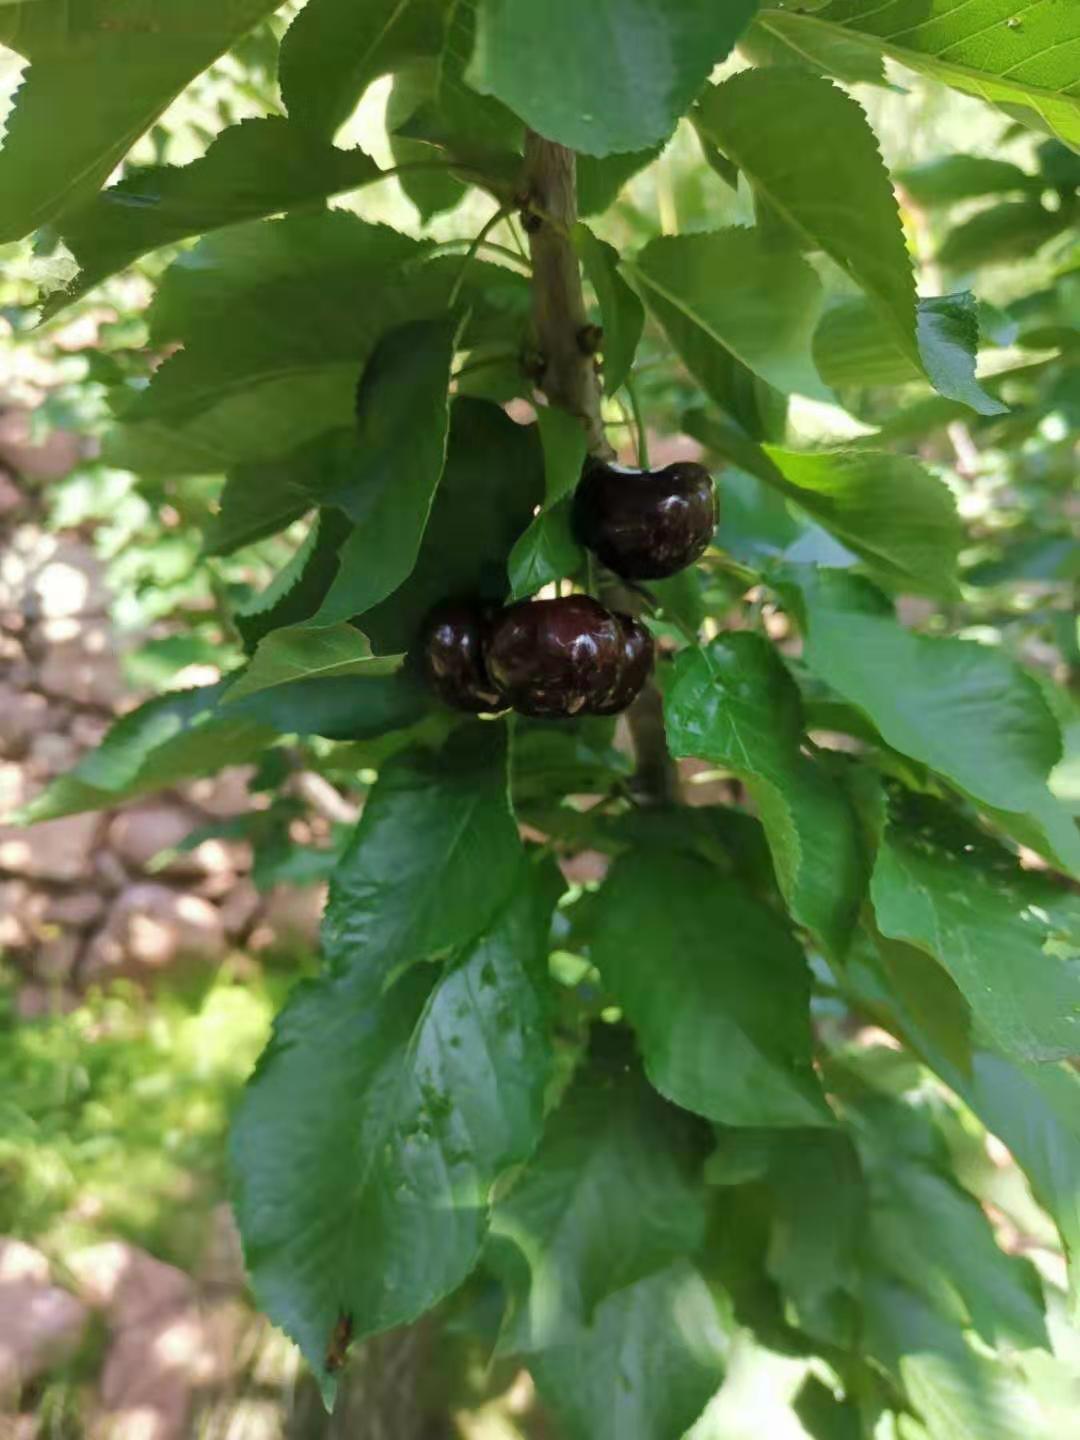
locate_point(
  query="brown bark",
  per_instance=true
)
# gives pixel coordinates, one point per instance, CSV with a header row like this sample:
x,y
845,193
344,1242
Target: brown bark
x,y
567,375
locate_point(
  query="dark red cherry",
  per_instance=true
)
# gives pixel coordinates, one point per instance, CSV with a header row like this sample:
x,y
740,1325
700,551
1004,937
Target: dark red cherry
x,y
646,524
635,669
555,658
452,656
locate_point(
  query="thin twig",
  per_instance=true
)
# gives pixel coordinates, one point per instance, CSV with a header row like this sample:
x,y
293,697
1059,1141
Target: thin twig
x,y
470,256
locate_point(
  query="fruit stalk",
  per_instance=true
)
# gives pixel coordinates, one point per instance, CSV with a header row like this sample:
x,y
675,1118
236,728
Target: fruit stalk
x,y
569,379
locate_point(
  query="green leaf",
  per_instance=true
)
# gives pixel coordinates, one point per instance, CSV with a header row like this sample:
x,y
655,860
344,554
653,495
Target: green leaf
x,y
1012,230
819,1203
434,857
542,63
96,82
1003,935
963,709
254,169
621,312
437,1081
891,511
723,1021
308,652
849,349
610,1197
297,591
402,419
434,190
948,332
492,483
836,192
933,1236
732,289
351,707
735,705
332,52
1035,1110
1022,60
960,1392
175,737
600,179
274,341
259,500
773,39
951,178
645,1368
548,550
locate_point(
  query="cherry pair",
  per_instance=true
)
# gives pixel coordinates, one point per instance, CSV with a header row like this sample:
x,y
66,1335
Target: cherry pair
x,y
550,659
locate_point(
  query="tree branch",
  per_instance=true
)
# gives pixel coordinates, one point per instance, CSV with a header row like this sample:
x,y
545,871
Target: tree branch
x,y
567,375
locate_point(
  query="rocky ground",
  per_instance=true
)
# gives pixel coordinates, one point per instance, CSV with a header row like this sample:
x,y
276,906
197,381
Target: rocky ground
x,y
83,900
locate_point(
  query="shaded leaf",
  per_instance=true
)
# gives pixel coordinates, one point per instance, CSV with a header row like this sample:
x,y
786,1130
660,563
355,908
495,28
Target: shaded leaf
x,y
548,550
1012,230
621,312
297,591
960,1392
331,53
732,289
733,703
773,40
492,482
723,1021
259,500
950,178
257,168
306,652
351,707
836,192
1035,1110
434,190
600,179
274,341
175,737
849,349
609,1198
435,855
966,711
646,1366
819,1203
97,81
542,64
402,419
1003,935
900,519
438,1080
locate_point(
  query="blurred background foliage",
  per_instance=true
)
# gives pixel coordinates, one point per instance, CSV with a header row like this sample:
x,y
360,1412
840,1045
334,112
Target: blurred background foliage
x,y
112,1118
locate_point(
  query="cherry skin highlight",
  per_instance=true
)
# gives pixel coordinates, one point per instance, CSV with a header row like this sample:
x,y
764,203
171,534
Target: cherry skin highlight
x,y
452,657
635,669
646,524
555,658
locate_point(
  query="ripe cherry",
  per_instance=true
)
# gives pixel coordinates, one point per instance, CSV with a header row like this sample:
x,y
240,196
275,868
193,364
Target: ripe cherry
x,y
637,663
555,658
646,524
452,657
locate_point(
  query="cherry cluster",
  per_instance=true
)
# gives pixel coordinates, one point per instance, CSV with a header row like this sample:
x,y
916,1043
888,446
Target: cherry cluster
x,y
557,658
